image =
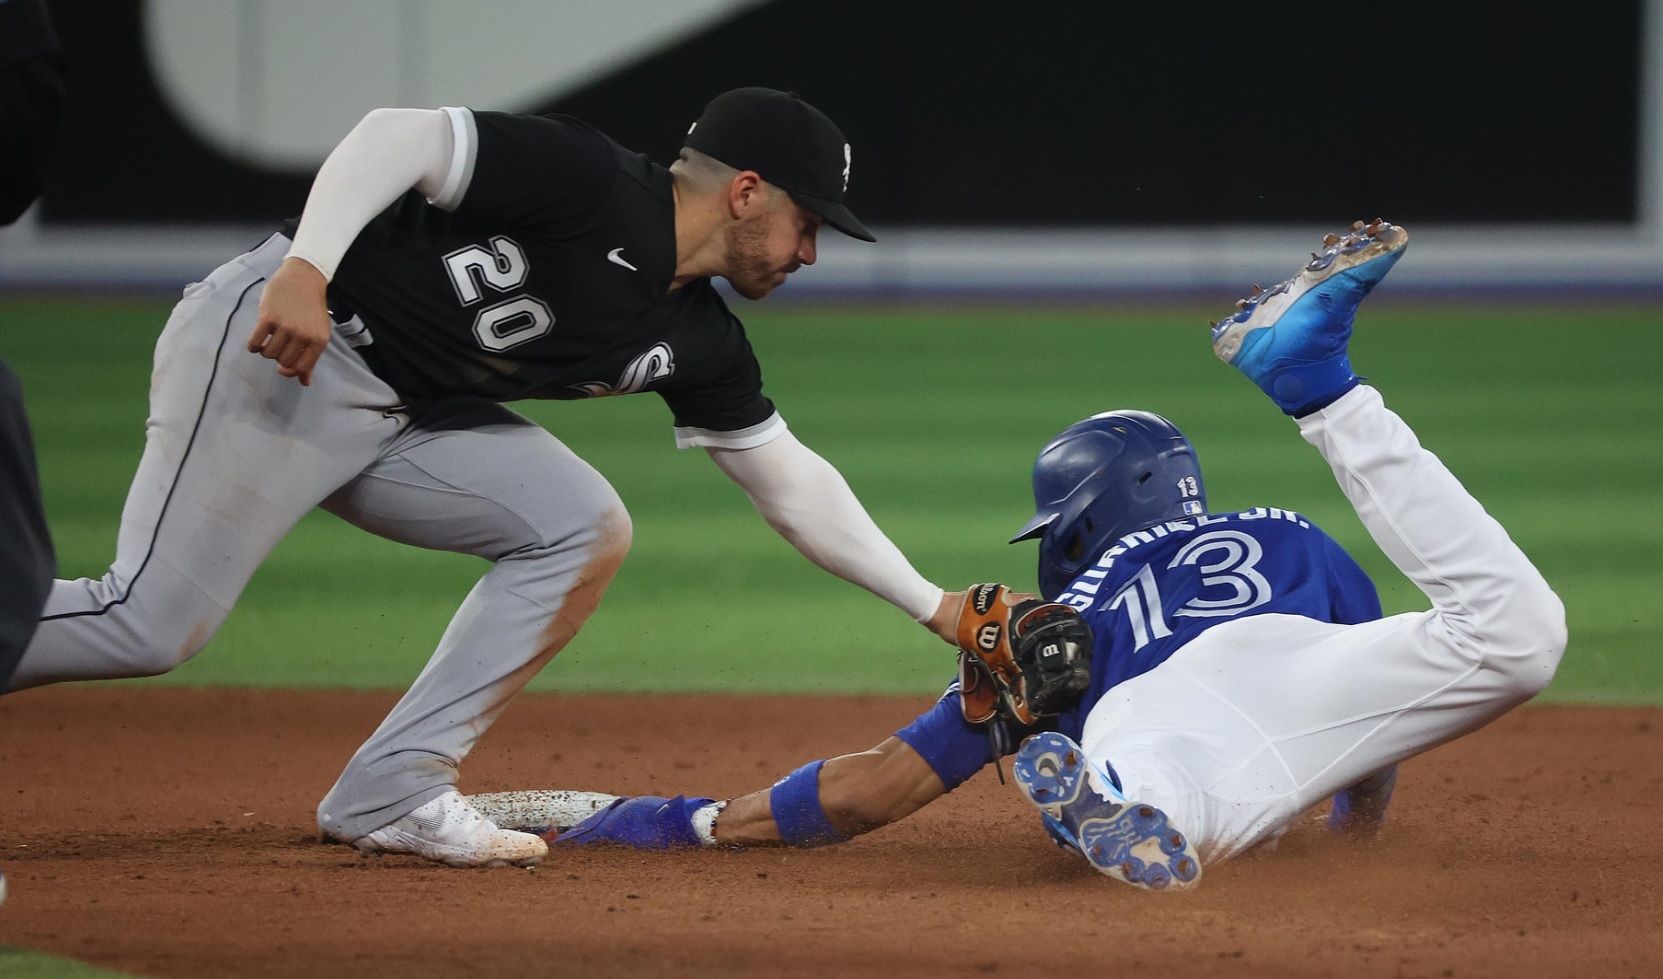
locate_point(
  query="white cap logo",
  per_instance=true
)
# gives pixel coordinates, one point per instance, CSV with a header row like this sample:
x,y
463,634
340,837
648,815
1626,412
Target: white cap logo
x,y
848,161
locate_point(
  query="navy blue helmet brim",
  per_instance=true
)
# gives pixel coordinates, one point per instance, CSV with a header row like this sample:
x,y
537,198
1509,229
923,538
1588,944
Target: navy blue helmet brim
x,y
1035,527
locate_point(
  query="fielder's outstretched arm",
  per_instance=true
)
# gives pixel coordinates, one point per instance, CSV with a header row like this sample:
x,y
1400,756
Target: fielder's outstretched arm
x,y
808,502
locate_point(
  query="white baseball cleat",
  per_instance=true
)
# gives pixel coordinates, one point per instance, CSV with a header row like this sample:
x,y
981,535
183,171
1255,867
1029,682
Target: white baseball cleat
x,y
449,831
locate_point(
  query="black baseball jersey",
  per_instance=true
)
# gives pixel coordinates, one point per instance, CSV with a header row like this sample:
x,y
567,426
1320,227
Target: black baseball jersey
x,y
542,270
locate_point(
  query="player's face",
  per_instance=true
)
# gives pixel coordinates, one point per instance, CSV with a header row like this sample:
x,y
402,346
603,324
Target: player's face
x,y
764,248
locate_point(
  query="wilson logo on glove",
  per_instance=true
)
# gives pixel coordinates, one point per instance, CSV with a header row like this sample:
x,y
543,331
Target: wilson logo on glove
x,y
1019,661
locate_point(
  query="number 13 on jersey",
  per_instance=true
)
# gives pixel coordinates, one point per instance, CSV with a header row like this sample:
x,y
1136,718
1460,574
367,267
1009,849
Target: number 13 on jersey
x,y
1226,559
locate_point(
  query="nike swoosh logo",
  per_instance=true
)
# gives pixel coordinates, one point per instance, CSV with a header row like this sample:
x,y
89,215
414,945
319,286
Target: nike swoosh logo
x,y
615,258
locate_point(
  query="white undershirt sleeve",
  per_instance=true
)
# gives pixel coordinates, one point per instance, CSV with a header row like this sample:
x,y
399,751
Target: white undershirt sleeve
x,y
811,505
386,154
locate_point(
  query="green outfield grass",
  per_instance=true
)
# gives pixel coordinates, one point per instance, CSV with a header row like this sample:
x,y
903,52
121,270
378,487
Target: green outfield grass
x,y
1551,415
19,963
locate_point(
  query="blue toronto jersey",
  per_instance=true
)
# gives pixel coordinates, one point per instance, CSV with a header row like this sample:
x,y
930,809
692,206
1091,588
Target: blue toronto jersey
x,y
1158,589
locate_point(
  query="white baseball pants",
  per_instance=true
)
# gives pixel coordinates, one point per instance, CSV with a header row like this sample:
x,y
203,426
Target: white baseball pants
x,y
1261,718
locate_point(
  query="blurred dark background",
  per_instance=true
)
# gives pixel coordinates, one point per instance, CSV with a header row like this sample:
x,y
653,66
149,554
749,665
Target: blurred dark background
x,y
989,113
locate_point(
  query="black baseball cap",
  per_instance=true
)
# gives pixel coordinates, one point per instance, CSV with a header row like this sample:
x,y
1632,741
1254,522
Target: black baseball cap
x,y
791,144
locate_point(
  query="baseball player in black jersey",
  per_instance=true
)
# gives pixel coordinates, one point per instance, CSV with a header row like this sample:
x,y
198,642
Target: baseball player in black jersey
x,y
31,100
448,261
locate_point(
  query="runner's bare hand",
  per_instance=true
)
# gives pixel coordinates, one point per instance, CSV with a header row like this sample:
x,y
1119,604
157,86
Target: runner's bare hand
x,y
294,326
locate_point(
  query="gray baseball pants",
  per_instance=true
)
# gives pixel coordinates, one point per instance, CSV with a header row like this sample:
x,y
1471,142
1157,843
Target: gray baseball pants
x,y
235,455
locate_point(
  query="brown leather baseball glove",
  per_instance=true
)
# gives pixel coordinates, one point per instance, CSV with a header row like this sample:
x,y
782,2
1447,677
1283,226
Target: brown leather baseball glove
x,y
1020,657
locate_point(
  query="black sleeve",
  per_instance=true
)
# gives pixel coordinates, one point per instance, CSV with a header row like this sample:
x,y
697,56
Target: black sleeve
x,y
25,32
26,561
31,102
724,393
552,172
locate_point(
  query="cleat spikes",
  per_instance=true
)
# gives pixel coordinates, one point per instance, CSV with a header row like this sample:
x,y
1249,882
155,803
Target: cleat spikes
x,y
1291,341
1132,842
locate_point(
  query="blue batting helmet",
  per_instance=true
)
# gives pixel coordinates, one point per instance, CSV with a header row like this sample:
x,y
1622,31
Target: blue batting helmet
x,y
1101,479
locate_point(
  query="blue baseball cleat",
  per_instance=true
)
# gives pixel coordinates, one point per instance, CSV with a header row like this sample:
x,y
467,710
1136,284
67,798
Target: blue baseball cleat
x,y
1291,341
1130,841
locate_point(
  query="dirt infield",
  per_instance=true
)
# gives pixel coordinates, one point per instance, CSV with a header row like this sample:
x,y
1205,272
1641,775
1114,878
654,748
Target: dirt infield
x,y
169,832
